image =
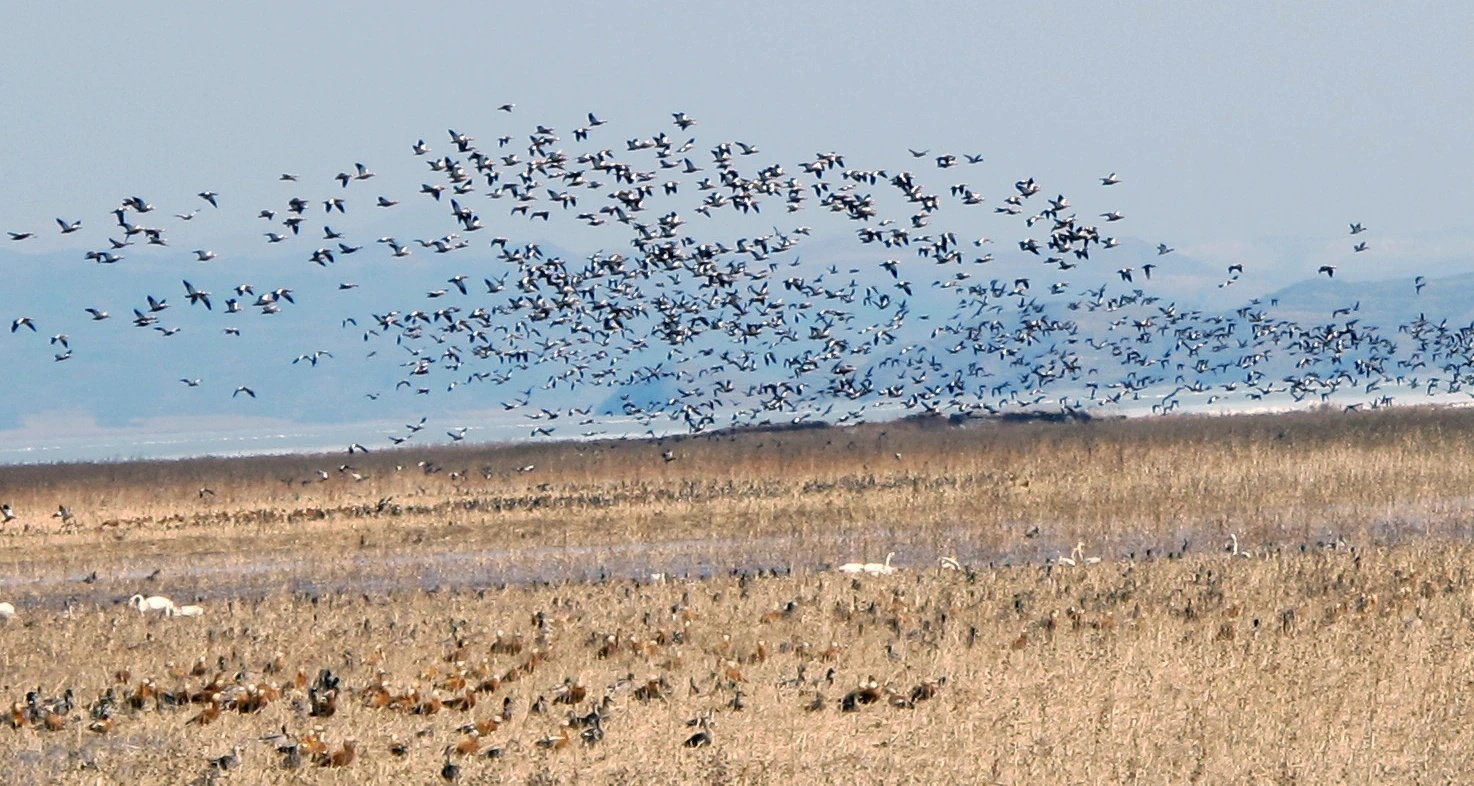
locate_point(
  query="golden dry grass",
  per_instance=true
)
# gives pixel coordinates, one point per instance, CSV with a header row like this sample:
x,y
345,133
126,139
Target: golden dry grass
x,y
1340,650
1326,666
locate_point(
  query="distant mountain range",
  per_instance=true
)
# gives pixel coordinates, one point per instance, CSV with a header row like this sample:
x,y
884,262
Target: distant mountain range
x,y
119,374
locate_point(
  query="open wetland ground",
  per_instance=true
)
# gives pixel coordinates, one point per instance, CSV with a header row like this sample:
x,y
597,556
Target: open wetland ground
x,y
1250,599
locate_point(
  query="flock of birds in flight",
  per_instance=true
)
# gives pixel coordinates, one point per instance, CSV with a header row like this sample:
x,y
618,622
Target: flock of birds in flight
x,y
680,331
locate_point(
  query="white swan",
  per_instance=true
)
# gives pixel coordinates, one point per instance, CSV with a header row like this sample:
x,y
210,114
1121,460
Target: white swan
x,y
1077,557
153,603
870,568
875,569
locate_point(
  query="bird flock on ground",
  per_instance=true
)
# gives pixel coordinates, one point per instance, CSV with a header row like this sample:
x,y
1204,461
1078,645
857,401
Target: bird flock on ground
x,y
698,312
503,690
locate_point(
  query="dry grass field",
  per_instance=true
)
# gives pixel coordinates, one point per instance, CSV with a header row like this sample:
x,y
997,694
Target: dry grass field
x,y
445,587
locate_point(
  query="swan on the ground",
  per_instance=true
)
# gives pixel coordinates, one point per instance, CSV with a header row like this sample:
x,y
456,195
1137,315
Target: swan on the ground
x,y
870,568
153,603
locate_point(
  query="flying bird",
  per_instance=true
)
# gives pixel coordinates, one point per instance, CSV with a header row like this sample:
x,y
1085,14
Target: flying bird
x,y
197,295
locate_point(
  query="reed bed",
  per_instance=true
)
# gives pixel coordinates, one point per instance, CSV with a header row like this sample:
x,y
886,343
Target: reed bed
x,y
1333,644
1332,664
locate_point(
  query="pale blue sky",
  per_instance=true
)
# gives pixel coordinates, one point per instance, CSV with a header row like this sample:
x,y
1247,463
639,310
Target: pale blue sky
x,y
1246,133
1232,122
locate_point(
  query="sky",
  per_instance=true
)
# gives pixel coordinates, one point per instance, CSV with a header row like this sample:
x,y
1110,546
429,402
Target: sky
x,y
1234,122
1244,132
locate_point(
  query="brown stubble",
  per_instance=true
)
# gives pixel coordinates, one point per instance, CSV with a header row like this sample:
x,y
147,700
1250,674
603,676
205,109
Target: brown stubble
x,y
1287,668
1311,661
976,491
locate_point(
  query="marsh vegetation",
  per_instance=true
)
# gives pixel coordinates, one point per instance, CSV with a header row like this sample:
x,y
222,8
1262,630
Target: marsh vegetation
x,y
1276,599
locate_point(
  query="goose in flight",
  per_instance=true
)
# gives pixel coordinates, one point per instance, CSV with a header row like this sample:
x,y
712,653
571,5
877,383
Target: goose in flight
x,y
1163,248
1357,229
1362,246
21,322
21,235
204,256
1329,270
193,383
1110,180
209,196
197,295
68,227
98,315
245,390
